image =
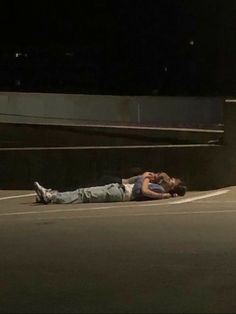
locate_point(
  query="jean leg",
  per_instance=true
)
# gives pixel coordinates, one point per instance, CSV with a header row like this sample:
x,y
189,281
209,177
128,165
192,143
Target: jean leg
x,y
100,194
67,197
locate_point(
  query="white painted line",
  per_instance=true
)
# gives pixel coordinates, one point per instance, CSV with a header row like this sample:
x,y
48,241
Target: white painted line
x,y
16,196
192,199
63,210
208,212
109,215
230,100
217,202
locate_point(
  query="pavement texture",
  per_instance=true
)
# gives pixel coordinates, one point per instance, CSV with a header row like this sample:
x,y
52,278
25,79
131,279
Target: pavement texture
x,y
168,256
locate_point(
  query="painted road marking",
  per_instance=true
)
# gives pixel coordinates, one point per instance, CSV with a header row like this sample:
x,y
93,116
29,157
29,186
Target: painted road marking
x,y
205,212
16,196
192,199
80,209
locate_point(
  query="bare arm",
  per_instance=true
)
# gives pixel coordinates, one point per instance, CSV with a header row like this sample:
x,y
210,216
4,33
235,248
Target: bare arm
x,y
151,194
133,179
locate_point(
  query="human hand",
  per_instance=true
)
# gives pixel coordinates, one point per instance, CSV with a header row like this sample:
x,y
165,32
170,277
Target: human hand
x,y
148,174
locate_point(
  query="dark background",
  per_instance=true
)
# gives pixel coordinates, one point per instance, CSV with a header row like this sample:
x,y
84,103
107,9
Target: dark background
x,y
161,47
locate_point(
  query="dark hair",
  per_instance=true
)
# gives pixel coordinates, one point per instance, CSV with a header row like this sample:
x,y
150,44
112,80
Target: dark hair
x,y
179,189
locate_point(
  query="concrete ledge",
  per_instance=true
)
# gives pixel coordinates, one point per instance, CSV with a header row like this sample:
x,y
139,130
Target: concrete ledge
x,y
38,135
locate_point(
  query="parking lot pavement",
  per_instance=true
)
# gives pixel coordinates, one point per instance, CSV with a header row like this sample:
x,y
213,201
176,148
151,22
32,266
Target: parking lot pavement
x,y
175,255
16,201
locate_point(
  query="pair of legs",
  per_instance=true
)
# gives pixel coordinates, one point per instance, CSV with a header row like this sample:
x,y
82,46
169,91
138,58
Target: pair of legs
x,y
99,194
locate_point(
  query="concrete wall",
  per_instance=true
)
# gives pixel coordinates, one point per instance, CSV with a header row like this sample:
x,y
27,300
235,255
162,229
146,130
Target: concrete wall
x,y
67,169
68,109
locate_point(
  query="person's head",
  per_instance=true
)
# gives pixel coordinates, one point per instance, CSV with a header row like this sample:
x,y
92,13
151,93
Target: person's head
x,y
170,184
178,188
165,180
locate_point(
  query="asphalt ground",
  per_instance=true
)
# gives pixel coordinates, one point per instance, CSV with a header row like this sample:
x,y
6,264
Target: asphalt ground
x,y
168,256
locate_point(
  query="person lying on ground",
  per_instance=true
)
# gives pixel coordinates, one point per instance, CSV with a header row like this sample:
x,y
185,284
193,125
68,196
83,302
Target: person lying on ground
x,y
160,177
146,187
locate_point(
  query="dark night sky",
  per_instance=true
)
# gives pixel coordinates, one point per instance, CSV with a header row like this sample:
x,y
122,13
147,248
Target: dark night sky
x,y
124,47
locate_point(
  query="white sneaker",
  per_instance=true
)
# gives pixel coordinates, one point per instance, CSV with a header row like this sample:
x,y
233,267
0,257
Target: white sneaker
x,y
38,199
43,195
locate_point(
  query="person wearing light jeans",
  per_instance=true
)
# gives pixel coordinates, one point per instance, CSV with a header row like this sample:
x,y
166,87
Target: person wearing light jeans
x,y
147,186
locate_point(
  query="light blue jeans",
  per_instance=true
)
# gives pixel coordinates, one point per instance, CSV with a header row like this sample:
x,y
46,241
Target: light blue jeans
x,y
98,194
